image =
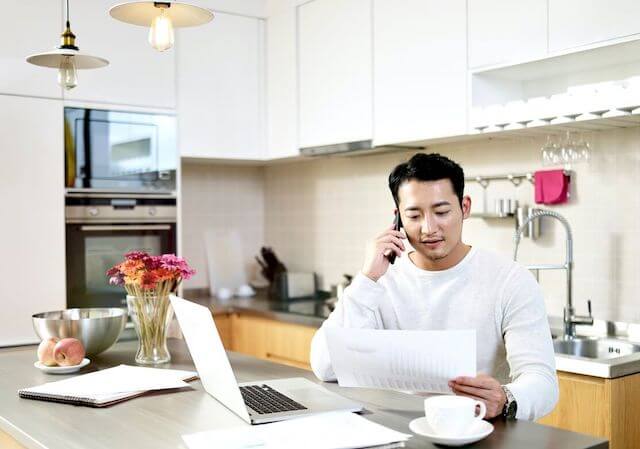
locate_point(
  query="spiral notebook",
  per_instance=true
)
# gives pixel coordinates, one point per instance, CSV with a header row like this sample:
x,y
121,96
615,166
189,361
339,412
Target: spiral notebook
x,y
109,386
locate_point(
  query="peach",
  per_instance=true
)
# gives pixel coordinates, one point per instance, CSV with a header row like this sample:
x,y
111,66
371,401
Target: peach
x,y
68,352
45,351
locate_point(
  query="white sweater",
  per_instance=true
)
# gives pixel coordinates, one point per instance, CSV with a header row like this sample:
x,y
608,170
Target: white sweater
x,y
497,297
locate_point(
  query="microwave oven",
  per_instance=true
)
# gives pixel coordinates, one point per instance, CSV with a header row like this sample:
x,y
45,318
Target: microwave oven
x,y
119,151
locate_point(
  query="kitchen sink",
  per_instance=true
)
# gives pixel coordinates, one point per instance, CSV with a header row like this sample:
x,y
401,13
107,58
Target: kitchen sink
x,y
595,348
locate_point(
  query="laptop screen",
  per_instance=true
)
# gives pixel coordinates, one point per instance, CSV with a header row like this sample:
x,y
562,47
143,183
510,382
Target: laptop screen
x,y
208,355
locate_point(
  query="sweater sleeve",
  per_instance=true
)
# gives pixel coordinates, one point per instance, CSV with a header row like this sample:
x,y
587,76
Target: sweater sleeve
x,y
529,347
357,309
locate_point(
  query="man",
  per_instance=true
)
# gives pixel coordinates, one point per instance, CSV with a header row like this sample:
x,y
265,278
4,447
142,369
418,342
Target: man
x,y
446,284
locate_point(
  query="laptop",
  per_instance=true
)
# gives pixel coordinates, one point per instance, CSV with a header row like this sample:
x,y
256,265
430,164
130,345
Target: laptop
x,y
255,402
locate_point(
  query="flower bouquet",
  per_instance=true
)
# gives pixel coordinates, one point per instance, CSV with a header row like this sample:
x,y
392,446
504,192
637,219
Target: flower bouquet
x,y
149,280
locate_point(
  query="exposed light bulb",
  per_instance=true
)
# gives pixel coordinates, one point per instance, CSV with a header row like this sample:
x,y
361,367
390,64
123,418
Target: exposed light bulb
x,y
161,32
67,73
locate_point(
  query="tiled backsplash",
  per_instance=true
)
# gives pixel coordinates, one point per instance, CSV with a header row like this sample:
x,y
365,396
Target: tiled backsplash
x,y
319,214
221,197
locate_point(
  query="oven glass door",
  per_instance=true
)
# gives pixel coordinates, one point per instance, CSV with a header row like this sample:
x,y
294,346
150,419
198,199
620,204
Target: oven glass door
x,y
92,249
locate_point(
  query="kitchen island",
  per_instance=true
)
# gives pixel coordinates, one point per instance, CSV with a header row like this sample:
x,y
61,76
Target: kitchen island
x,y
158,420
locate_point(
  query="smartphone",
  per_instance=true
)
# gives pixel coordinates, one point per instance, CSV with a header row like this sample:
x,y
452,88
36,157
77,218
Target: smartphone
x,y
397,224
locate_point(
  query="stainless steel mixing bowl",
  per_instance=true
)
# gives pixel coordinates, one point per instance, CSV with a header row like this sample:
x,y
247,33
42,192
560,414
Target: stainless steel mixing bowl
x,y
98,329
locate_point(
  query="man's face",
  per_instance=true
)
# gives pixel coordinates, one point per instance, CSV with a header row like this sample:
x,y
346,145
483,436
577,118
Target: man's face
x,y
432,218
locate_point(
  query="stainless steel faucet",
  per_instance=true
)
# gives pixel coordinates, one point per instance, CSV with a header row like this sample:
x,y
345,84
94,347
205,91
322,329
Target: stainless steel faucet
x,y
570,318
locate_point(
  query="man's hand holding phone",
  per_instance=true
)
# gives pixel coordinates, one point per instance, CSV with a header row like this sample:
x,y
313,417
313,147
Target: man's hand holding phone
x,y
389,243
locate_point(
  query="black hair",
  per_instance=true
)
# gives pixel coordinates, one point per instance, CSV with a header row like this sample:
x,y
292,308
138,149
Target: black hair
x,y
427,167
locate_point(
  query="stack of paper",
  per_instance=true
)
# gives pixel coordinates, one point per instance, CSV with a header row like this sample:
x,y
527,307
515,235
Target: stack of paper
x,y
108,386
400,359
336,430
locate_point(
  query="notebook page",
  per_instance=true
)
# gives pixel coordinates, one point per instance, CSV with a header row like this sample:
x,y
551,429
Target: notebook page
x,y
401,360
112,381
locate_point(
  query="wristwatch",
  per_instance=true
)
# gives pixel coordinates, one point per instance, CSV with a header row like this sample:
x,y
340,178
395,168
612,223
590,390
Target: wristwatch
x,y
511,406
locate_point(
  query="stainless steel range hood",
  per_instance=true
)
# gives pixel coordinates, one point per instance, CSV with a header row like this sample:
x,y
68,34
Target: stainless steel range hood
x,y
351,148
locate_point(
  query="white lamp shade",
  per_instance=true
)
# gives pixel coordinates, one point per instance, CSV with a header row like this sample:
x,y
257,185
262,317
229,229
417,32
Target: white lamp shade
x,y
142,13
53,58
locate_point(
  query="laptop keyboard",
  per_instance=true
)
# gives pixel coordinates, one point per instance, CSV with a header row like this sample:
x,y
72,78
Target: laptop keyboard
x,y
264,400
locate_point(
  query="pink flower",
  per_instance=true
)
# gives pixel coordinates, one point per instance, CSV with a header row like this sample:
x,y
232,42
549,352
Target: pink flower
x,y
152,262
177,264
136,255
118,279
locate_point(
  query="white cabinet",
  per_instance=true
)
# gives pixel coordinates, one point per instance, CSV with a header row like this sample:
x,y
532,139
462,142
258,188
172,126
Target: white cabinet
x,y
32,197
282,137
137,75
574,23
220,73
335,71
503,31
420,70
28,27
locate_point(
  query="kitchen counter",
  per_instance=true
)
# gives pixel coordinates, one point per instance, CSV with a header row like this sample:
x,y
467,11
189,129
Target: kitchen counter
x,y
307,312
157,420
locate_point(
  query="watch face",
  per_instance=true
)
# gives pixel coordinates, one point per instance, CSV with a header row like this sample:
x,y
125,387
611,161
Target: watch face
x,y
512,408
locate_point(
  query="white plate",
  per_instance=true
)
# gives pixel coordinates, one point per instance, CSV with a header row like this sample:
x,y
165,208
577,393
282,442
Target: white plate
x,y
61,369
479,431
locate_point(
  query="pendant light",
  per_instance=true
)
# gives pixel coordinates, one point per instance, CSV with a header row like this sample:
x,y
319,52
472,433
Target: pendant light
x,y
161,18
67,58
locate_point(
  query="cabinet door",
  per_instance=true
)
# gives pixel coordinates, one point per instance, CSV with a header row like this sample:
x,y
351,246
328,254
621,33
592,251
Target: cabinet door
x,y
335,71
502,31
223,324
282,136
583,406
137,74
289,344
573,23
248,335
420,69
221,89
29,27
32,196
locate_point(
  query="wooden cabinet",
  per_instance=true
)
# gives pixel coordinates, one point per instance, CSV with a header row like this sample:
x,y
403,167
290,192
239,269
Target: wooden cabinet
x,y
272,340
503,31
335,71
607,408
575,23
32,198
420,70
282,106
137,75
29,27
223,324
221,111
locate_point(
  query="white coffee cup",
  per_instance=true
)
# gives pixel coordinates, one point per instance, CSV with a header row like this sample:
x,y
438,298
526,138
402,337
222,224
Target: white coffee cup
x,y
452,415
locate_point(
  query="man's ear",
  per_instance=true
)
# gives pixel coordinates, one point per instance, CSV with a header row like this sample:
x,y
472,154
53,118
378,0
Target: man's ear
x,y
466,206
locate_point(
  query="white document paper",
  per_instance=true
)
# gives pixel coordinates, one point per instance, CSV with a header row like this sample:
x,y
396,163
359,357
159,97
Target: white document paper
x,y
119,379
335,430
401,359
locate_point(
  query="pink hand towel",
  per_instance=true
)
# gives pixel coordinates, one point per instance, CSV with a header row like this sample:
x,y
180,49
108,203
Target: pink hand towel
x,y
552,187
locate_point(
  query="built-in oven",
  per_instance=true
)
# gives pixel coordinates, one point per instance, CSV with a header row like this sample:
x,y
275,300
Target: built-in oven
x,y
119,151
100,229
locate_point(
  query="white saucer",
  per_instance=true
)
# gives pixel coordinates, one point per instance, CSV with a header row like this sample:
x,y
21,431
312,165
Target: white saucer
x,y
479,431
61,369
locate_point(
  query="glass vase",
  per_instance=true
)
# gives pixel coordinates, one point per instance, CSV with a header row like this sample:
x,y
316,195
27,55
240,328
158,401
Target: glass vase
x,y
151,316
